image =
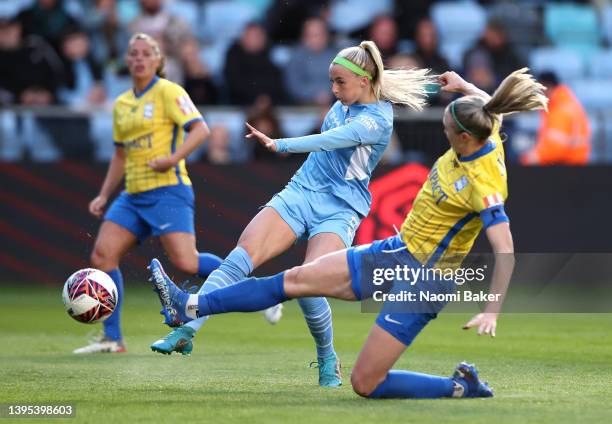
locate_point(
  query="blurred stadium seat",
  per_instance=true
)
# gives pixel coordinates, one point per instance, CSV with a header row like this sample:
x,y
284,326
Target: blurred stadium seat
x,y
187,10
13,7
572,26
606,23
223,21
600,64
459,25
347,16
567,64
593,94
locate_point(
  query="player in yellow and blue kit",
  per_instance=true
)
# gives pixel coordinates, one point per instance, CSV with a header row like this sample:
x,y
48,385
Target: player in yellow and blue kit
x,y
465,192
328,196
149,127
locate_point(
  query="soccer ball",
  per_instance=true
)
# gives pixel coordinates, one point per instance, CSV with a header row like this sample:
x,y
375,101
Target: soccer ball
x,y
89,295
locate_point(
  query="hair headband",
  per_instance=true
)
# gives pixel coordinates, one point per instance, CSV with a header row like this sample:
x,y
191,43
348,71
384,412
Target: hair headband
x,y
352,67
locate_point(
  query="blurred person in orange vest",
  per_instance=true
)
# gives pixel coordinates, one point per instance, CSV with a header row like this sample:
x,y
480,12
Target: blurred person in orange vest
x,y
564,136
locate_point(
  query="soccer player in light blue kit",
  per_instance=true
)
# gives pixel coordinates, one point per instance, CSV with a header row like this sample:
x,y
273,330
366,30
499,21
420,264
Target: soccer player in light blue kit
x,y
327,197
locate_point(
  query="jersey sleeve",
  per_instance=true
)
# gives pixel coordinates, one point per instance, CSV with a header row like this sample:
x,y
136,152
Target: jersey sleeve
x,y
117,136
487,198
364,129
179,107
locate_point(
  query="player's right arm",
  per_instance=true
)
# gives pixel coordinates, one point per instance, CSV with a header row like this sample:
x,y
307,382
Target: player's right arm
x,y
114,175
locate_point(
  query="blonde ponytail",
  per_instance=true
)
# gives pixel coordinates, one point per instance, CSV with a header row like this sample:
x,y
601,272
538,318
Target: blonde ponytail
x,y
518,92
400,86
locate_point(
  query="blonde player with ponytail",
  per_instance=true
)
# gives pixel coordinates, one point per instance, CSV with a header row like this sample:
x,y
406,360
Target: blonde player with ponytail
x,y
464,193
328,196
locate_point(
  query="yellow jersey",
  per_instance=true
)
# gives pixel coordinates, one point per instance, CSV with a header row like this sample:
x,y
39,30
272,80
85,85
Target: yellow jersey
x,y
458,197
151,125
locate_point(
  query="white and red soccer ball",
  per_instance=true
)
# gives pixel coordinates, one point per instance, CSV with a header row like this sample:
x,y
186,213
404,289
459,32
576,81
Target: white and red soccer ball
x,y
89,295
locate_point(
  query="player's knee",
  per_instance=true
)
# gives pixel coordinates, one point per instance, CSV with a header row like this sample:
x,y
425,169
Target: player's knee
x,y
362,385
294,277
102,258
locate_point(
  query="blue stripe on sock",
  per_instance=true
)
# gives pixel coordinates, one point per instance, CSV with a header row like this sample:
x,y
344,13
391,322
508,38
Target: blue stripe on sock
x,y
317,314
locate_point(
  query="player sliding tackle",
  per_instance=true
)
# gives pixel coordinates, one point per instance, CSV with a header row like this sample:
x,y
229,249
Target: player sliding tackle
x,y
445,219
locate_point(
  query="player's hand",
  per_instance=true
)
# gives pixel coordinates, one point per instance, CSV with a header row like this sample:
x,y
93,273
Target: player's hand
x,y
96,206
451,82
486,323
263,139
162,164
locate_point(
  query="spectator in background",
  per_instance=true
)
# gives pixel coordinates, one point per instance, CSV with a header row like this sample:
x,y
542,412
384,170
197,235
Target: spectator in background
x,y
408,13
564,136
307,73
82,84
491,59
101,22
250,75
426,47
47,19
197,80
285,18
383,31
31,70
218,149
168,30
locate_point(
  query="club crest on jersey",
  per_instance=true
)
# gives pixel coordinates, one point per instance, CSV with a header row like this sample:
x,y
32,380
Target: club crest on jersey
x,y
461,183
493,200
186,105
148,111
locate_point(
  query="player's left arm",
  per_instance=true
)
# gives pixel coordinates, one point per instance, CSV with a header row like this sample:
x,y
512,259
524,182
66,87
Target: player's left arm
x,y
182,112
500,237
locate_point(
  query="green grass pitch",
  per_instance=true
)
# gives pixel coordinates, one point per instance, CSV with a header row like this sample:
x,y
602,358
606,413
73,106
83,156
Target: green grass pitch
x,y
543,368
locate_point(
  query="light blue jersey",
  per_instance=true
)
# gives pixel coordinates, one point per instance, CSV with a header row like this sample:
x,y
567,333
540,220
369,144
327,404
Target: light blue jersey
x,y
352,141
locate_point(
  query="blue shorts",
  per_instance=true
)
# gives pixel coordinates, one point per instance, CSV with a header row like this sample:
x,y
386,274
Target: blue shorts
x,y
392,253
309,213
163,210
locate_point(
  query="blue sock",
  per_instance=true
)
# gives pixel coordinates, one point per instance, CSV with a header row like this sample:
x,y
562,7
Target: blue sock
x,y
112,325
207,263
318,316
250,295
408,384
236,267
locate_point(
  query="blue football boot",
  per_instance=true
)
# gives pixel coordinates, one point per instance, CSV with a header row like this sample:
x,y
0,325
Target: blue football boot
x,y
466,376
173,299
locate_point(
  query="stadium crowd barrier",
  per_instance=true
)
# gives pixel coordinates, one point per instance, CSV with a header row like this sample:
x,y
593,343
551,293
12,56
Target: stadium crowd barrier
x,y
46,232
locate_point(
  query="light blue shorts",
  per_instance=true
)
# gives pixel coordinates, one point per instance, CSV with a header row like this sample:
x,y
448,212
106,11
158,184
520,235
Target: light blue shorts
x,y
309,213
155,212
